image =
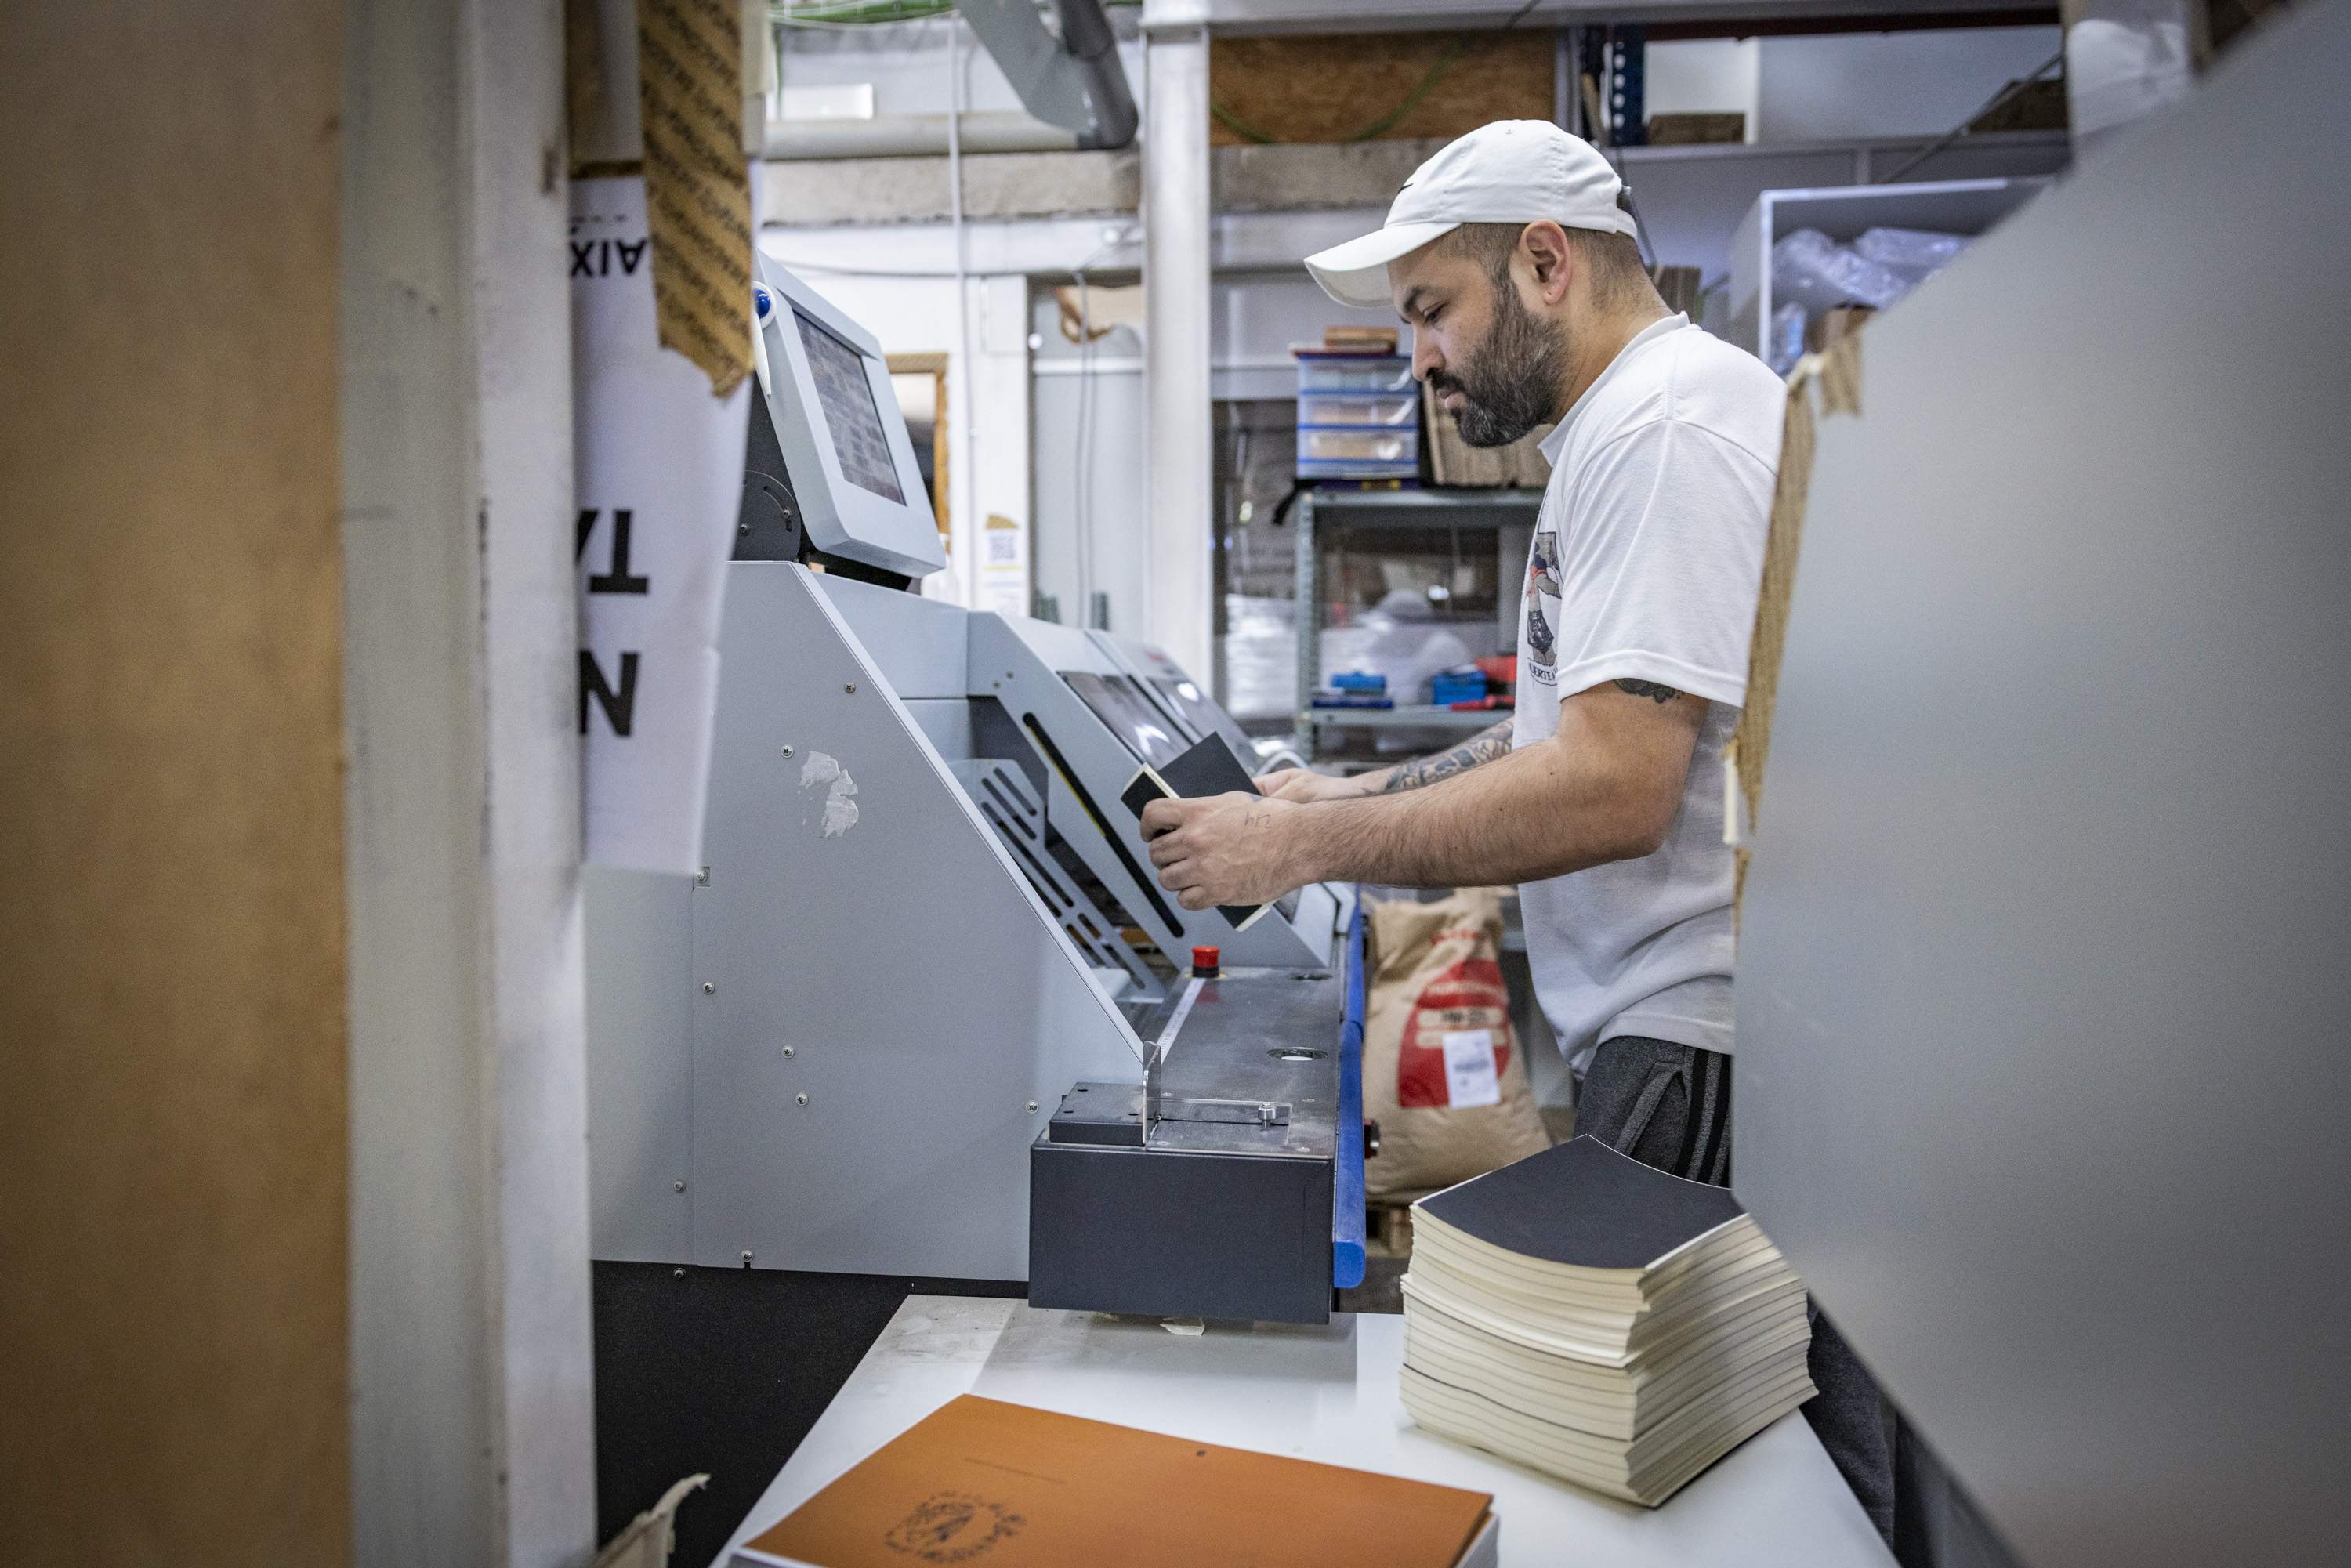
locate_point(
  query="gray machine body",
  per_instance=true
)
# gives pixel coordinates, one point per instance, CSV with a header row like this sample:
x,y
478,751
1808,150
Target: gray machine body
x,y
2041,1076
1084,766
833,1050
1208,1193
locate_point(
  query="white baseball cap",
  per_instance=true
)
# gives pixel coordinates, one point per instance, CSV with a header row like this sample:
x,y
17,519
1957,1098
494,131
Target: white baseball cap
x,y
1511,172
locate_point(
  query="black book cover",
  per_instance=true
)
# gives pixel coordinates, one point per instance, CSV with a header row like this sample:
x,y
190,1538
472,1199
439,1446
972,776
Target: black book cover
x,y
1585,1205
1210,768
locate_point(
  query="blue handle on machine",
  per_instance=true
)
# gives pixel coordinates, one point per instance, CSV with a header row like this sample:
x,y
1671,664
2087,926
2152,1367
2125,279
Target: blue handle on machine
x,y
1347,1176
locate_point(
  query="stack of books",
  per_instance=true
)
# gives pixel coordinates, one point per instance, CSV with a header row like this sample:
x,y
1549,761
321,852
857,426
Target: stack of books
x,y
1594,1318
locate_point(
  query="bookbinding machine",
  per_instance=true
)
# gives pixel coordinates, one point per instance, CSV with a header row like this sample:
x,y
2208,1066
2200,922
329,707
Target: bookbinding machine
x,y
921,1012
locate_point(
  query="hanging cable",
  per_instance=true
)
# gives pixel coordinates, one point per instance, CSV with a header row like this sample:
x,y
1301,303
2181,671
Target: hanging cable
x,y
970,461
859,13
1083,479
1961,129
1081,497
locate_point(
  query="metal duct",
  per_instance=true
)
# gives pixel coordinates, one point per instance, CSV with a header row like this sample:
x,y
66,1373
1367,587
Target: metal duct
x,y
1074,81
914,135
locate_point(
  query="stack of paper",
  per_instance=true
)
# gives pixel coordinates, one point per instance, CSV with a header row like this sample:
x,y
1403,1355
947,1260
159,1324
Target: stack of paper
x,y
1589,1316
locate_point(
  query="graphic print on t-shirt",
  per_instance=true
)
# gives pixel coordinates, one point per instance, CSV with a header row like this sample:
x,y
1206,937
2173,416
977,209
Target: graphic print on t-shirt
x,y
1543,620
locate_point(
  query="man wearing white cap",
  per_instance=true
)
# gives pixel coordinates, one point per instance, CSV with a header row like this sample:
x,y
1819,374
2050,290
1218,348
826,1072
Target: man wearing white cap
x,y
1511,254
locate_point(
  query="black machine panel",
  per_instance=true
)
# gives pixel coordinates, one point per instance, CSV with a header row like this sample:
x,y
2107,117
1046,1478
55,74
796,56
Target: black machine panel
x,y
1133,716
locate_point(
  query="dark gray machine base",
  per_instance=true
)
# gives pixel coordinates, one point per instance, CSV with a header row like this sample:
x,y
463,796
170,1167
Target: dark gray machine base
x,y
1179,1235
1223,1208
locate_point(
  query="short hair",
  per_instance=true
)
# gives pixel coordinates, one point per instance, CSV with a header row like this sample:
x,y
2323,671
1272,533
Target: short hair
x,y
1619,279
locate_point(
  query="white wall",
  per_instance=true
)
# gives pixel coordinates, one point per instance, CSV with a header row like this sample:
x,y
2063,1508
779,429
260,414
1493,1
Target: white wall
x,y
1705,75
1252,319
1848,85
987,393
1889,84
1102,483
907,66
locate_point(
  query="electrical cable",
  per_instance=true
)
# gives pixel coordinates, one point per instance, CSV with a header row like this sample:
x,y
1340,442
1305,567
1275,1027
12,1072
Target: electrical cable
x,y
1960,130
1083,479
1591,97
970,464
859,13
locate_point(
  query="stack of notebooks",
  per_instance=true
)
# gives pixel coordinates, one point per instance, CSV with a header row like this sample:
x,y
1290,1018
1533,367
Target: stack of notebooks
x,y
985,1483
1589,1316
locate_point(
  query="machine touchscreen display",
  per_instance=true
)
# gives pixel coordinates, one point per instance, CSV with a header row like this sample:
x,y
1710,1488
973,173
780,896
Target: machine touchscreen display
x,y
859,441
1203,716
1120,704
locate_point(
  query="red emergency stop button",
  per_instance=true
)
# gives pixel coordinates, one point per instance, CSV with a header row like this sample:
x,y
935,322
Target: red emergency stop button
x,y
1205,962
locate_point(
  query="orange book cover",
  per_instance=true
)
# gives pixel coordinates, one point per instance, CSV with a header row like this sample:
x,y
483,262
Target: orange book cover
x,y
993,1485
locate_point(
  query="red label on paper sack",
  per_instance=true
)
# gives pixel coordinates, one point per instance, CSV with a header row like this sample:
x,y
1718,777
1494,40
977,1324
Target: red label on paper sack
x,y
1467,998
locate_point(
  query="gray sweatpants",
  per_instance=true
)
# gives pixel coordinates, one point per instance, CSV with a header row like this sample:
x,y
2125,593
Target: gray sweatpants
x,y
1669,1106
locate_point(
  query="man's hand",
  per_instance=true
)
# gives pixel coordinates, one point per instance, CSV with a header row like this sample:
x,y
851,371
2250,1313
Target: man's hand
x,y
1225,848
1303,784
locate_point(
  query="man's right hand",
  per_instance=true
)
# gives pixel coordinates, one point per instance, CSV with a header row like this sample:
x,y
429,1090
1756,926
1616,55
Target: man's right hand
x,y
1304,784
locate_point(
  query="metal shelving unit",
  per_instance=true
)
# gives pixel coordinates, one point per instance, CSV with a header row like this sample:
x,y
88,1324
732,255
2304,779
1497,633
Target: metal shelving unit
x,y
1321,510
1419,715
1843,212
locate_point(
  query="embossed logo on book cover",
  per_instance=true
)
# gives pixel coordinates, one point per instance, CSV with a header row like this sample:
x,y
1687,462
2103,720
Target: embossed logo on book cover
x,y
953,1527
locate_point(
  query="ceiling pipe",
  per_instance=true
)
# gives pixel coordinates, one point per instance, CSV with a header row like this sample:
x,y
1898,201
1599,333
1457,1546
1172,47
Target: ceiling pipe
x,y
1073,81
913,136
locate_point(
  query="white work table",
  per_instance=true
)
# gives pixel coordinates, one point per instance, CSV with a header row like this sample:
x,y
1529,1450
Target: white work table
x,y
1324,1394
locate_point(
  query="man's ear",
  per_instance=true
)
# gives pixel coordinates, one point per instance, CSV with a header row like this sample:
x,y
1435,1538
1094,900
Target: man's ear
x,y
1550,260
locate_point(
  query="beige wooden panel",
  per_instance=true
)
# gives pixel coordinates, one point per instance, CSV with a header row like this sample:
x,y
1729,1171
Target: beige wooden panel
x,y
1330,88
172,1138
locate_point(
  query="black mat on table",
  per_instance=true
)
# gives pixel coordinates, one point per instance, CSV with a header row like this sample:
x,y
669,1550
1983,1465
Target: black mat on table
x,y
724,1370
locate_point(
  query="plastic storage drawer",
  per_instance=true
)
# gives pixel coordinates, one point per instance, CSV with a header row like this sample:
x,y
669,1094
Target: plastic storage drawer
x,y
1390,409
1354,375
1409,473
1364,445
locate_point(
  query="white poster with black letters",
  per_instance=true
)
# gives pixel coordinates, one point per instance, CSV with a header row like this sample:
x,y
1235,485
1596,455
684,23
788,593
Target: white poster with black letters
x,y
659,472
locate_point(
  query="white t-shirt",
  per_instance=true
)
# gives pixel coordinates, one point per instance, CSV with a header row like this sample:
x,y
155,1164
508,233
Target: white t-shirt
x,y
1646,557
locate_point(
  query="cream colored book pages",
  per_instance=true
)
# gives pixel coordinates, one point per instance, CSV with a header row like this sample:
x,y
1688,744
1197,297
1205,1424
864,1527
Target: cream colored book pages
x,y
1439,1265
1622,1412
1481,1422
1607,1344
1738,1245
1765,1319
1641,1432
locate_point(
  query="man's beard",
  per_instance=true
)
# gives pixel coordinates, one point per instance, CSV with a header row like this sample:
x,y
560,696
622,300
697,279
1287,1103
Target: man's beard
x,y
1508,385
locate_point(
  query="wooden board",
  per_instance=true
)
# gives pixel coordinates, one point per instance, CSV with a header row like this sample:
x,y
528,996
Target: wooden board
x,y
172,1131
1329,89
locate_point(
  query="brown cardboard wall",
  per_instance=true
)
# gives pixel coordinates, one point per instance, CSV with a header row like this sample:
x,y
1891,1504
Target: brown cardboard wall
x,y
173,1137
1332,89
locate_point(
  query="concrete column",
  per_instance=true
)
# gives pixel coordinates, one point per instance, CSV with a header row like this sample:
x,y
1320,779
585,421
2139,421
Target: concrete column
x,y
472,1413
1178,614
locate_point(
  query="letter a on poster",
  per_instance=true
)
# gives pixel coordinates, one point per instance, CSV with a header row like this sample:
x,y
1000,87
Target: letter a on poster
x,y
659,475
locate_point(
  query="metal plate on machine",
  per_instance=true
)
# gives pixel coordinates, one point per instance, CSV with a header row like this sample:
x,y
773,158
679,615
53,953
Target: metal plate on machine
x,y
1113,1114
1248,1038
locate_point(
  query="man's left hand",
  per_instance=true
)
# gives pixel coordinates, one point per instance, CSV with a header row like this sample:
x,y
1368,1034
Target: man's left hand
x,y
1233,849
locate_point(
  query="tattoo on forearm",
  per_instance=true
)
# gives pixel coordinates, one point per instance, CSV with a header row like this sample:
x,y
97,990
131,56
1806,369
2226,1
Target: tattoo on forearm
x,y
1483,747
1656,691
